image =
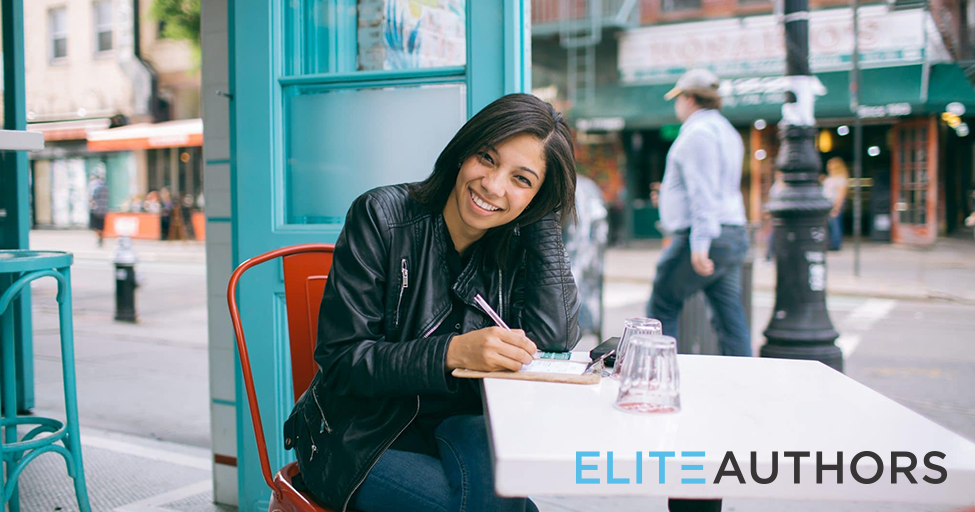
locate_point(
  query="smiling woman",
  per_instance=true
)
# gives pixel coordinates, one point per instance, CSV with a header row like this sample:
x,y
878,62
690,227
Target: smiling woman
x,y
517,151
493,188
385,426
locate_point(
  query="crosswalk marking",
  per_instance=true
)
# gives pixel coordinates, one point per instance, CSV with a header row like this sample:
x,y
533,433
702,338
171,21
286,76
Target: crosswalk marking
x,y
861,320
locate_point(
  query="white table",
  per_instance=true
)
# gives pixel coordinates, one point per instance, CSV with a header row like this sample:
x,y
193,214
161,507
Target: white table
x,y
729,404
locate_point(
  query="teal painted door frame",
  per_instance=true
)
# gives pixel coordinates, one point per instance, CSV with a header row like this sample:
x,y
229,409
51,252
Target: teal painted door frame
x,y
15,190
497,63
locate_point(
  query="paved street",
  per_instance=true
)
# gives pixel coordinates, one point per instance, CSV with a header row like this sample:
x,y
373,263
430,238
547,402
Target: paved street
x,y
149,381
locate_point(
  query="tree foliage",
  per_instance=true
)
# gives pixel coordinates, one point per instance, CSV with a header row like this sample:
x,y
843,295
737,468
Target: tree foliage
x,y
181,19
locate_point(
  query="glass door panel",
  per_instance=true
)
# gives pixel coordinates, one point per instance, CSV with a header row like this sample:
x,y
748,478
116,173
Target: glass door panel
x,y
342,36
914,182
343,142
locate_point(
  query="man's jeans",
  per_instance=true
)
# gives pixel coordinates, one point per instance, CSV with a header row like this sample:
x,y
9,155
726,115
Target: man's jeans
x,y
676,281
462,481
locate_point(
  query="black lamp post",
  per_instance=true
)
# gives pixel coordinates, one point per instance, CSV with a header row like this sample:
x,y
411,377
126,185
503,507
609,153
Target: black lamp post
x,y
800,327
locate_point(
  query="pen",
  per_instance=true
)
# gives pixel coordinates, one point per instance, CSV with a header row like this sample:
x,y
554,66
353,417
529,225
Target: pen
x,y
496,317
490,311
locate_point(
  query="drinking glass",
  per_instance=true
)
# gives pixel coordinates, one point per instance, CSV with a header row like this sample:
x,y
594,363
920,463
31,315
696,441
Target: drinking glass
x,y
631,326
649,379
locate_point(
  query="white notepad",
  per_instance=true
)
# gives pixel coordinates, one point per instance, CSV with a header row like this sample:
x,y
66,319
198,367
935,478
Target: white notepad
x,y
554,366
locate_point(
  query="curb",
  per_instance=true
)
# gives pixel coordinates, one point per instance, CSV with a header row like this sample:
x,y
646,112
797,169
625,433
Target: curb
x,y
922,296
143,257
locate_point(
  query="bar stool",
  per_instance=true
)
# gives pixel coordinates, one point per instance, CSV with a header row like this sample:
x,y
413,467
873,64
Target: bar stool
x,y
17,269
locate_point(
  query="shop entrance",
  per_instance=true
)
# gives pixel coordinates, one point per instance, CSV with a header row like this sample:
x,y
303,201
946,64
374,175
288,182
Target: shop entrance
x,y
914,182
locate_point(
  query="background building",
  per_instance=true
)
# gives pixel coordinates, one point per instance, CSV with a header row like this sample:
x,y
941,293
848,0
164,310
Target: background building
x,y
114,99
613,60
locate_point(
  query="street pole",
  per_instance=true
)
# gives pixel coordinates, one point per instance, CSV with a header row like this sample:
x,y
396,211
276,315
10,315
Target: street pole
x,y
800,327
857,140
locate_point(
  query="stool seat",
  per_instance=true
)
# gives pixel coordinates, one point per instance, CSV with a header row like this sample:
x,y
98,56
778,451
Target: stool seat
x,y
17,269
25,261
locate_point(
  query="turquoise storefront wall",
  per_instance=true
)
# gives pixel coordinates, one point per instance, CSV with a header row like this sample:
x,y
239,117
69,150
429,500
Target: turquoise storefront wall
x,y
294,132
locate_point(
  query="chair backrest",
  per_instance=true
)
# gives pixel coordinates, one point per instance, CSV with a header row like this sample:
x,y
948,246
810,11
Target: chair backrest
x,y
305,274
306,269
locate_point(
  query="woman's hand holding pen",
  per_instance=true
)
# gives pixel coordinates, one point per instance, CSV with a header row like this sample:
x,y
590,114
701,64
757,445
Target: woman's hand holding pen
x,y
490,349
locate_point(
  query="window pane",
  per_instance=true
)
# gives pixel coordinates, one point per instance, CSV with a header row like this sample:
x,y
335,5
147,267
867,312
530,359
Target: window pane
x,y
104,41
59,20
57,32
103,25
680,5
341,143
103,14
335,36
60,48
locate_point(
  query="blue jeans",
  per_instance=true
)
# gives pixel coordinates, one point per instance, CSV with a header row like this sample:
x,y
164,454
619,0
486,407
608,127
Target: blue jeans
x,y
835,231
462,480
676,280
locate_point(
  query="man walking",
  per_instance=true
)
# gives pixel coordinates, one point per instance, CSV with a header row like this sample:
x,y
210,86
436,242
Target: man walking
x,y
702,209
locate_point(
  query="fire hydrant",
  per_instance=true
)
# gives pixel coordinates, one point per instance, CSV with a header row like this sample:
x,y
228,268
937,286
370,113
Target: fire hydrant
x,y
125,283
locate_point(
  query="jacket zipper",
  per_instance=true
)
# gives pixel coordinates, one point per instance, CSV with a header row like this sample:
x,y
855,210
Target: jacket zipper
x,y
385,447
324,427
393,439
406,283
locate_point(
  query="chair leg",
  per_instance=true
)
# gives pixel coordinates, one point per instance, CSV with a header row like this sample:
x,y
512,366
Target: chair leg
x,y
9,403
73,441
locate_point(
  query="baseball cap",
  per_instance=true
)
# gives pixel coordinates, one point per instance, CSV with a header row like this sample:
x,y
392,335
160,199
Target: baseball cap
x,y
699,79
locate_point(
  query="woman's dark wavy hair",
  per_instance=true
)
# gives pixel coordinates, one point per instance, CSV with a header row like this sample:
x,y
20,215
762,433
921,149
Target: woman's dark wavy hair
x,y
510,115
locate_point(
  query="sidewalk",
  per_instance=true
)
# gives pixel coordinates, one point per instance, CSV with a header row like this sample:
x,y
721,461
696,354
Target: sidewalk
x,y
943,272
83,244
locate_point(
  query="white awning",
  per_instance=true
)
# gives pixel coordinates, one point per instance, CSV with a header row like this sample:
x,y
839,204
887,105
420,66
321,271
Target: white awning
x,y
69,130
170,134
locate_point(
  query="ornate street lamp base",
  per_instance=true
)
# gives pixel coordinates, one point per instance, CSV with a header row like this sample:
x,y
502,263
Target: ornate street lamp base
x,y
800,327
830,355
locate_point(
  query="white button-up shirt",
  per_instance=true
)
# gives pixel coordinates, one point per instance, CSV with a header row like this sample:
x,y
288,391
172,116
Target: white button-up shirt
x,y
701,189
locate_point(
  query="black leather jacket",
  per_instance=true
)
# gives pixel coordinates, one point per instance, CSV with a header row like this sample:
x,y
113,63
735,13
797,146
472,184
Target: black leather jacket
x,y
386,293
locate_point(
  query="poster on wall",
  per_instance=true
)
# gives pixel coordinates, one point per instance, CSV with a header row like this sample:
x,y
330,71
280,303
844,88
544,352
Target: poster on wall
x,y
410,34
69,192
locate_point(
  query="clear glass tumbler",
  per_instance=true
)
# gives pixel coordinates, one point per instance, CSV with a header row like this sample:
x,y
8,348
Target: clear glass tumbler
x,y
649,379
631,326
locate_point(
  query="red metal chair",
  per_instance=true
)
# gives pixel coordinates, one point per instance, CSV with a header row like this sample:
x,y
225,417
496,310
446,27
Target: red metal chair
x,y
305,271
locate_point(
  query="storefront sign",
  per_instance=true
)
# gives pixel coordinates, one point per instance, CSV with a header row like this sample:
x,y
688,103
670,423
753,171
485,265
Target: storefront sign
x,y
754,45
766,90
609,124
888,110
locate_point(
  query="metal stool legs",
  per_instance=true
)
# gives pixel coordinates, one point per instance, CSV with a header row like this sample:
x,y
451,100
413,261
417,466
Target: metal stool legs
x,y
17,454
8,403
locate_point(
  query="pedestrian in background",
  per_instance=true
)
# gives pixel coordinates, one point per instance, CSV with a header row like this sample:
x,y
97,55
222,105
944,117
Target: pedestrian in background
x,y
970,220
834,188
165,212
702,209
97,207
